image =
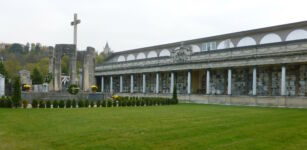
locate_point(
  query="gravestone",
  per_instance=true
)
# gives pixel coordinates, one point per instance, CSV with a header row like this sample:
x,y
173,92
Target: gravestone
x,y
2,85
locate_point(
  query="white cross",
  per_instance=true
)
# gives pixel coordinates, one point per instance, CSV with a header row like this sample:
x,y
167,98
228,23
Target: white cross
x,y
75,23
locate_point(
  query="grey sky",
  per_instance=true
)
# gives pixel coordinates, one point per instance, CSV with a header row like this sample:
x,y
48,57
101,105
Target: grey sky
x,y
128,24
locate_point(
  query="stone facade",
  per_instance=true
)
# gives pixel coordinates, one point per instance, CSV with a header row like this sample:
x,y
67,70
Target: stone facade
x,y
87,59
262,62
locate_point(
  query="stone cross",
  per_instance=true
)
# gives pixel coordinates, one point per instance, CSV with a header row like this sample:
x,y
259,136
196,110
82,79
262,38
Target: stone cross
x,y
75,23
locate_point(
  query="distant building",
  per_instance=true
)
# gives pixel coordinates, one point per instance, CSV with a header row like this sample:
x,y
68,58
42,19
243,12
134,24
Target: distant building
x,y
265,66
107,50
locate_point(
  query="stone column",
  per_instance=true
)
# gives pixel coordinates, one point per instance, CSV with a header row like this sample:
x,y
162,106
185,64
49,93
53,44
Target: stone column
x,y
102,84
208,82
157,82
283,80
229,82
131,84
172,83
189,82
121,83
144,83
111,84
254,80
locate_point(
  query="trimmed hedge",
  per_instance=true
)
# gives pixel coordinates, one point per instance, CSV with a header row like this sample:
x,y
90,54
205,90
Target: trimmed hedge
x,y
55,104
6,102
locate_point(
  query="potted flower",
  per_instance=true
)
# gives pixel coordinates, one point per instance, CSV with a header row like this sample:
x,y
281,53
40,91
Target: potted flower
x,y
94,88
27,87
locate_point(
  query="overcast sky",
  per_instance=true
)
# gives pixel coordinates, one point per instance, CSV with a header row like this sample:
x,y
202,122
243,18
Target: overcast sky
x,y
129,24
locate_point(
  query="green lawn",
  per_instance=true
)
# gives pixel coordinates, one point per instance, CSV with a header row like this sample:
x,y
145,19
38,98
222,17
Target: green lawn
x,y
184,126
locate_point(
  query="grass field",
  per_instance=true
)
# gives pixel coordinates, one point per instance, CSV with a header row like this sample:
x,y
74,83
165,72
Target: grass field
x,y
184,126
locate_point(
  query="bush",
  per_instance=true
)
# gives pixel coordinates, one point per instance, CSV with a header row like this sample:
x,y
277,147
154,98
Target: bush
x,y
68,103
104,103
34,103
114,102
41,104
123,101
138,101
98,103
175,98
80,103
142,103
48,104
86,103
128,102
24,103
61,104
74,103
109,102
55,104
16,93
92,104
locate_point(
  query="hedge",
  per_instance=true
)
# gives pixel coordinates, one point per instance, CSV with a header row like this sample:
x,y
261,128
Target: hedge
x,y
6,102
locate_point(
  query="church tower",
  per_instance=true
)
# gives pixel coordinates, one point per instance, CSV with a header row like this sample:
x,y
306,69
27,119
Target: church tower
x,y
107,50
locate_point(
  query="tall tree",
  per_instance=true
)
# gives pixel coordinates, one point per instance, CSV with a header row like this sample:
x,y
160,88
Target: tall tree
x,y
36,77
32,47
16,98
16,48
27,47
37,47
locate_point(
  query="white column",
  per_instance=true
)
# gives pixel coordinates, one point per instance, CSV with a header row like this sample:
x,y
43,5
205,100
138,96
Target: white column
x,y
131,84
144,83
189,82
120,83
102,84
254,80
208,83
283,80
229,82
172,83
111,84
157,82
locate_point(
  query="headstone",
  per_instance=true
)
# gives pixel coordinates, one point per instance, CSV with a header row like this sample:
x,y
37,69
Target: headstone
x,y
2,85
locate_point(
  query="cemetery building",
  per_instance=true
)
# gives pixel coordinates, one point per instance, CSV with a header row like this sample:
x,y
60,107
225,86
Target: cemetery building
x,y
266,66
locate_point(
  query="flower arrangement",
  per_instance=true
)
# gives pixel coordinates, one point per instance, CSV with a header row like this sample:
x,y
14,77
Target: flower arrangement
x,y
26,87
94,88
115,97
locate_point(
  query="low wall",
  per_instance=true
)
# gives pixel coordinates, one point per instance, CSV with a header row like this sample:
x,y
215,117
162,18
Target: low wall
x,y
267,101
60,96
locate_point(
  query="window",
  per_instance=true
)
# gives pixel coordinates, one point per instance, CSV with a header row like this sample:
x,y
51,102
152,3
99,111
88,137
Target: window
x,y
208,46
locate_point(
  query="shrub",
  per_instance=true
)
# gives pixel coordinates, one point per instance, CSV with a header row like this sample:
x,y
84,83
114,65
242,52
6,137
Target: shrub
x,y
92,103
123,101
16,93
142,103
80,103
74,103
68,103
98,103
175,98
86,103
114,102
9,103
2,103
25,103
104,103
48,104
34,103
109,103
41,104
128,102
61,104
55,104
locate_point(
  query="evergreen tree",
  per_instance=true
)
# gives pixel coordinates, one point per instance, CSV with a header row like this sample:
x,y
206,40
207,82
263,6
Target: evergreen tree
x,y
175,98
16,48
36,77
27,47
16,98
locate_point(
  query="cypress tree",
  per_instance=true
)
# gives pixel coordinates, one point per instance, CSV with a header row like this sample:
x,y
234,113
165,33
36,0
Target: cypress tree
x,y
175,99
16,98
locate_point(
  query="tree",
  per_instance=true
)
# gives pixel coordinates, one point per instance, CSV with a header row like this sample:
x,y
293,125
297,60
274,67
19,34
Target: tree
x,y
175,98
32,47
16,98
27,47
37,47
36,77
99,59
16,48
